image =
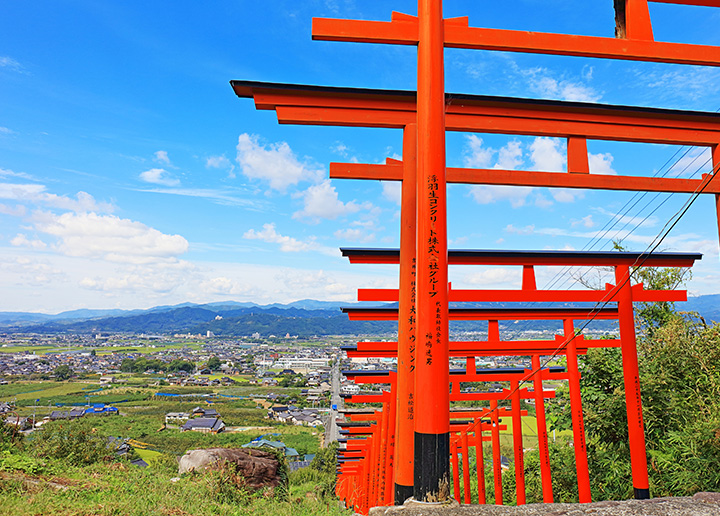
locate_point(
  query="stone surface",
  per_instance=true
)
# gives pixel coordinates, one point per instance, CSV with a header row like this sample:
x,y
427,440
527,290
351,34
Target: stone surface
x,y
702,504
259,468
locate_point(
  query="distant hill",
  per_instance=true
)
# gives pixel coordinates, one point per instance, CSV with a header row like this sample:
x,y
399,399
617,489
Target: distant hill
x,y
303,318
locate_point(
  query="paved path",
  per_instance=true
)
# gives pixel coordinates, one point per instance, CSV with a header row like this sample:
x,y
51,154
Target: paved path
x,y
332,432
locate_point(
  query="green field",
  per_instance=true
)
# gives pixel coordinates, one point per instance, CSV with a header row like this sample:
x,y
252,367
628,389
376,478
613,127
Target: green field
x,y
41,390
38,350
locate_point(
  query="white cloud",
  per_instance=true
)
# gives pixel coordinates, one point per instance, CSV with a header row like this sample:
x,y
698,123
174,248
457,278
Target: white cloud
x,y
322,202
22,241
221,162
24,272
226,197
10,64
354,235
601,164
5,130
487,194
694,160
109,238
36,194
340,148
161,156
304,282
217,162
510,156
541,81
5,172
493,276
679,83
392,191
275,163
508,76
629,220
225,287
287,244
17,211
476,155
149,279
542,202
587,222
547,154
566,195
159,176
527,230
457,241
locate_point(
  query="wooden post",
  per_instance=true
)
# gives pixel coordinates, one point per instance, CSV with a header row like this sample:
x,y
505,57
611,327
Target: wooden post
x,y
631,377
542,435
407,321
432,423
581,463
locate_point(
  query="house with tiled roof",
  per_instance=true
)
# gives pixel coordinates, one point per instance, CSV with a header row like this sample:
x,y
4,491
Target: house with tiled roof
x,y
208,425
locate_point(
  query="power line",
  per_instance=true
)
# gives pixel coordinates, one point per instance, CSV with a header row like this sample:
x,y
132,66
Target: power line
x,y
639,262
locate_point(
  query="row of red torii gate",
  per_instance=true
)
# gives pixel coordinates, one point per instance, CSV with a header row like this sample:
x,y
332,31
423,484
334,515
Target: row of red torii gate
x,y
406,448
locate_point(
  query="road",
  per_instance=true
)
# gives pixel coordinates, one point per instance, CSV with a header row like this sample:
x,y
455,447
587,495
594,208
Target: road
x,y
332,432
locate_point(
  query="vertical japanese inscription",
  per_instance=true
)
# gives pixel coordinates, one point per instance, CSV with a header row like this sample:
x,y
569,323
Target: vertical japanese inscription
x,y
433,256
411,337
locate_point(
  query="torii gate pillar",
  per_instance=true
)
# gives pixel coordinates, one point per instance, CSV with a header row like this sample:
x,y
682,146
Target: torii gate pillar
x,y
432,378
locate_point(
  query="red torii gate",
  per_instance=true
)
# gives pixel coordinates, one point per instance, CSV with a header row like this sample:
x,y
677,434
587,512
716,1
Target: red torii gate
x,y
377,455
569,344
634,36
430,32
623,294
332,106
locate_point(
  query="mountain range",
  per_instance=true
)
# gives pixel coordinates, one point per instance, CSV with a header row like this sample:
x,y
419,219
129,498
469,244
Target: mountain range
x,y
303,318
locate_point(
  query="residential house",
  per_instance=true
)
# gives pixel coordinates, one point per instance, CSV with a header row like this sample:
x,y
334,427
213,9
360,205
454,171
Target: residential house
x,y
206,425
176,418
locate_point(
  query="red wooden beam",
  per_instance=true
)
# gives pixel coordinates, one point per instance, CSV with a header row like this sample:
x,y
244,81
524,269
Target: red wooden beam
x,y
573,179
491,314
402,30
537,296
314,105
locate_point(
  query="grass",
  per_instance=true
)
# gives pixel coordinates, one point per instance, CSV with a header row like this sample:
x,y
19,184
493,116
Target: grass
x,y
148,348
149,456
38,349
32,483
120,489
41,390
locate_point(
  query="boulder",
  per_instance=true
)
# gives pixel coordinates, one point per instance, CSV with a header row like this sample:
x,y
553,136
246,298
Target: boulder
x,y
258,468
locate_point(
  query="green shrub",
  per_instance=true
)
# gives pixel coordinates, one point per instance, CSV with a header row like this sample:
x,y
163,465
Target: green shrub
x,y
21,462
74,442
10,437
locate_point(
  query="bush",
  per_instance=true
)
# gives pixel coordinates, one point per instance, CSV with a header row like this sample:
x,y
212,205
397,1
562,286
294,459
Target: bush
x,y
10,437
74,442
21,462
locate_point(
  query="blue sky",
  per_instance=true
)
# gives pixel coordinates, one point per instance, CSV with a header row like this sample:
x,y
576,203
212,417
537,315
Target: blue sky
x,y
132,176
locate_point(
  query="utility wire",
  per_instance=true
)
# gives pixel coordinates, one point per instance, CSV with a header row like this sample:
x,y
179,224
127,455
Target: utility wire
x,y
639,262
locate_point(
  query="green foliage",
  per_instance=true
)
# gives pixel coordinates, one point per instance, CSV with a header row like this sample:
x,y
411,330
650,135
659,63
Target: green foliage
x,y
652,316
213,363
11,462
679,366
326,458
10,437
62,372
73,442
142,364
